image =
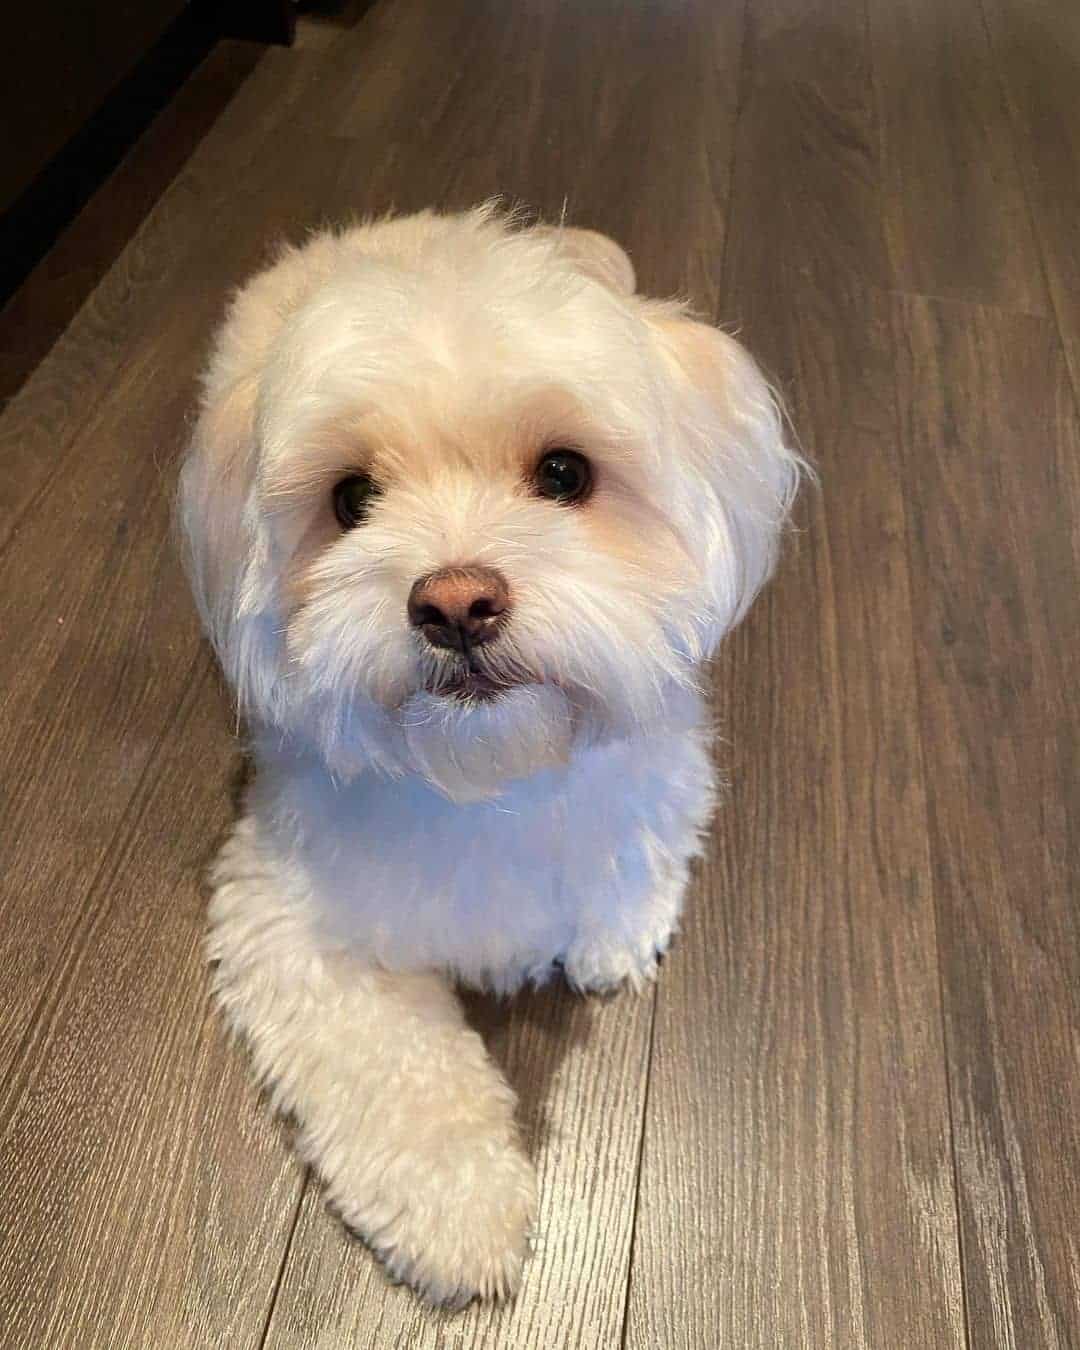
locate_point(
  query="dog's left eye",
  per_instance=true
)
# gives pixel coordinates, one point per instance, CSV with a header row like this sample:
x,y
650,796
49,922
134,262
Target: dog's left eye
x,y
563,475
353,497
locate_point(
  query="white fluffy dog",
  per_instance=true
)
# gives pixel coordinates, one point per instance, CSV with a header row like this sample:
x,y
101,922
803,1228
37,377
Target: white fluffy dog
x,y
465,515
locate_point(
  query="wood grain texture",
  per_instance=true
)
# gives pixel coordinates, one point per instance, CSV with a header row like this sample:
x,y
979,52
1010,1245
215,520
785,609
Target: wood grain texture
x,y
956,217
102,647
99,652
994,487
1036,46
552,106
796,1184
146,1193
580,1067
160,271
859,1093
53,294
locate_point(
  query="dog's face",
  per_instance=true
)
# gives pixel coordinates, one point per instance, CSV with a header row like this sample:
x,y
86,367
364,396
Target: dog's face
x,y
459,501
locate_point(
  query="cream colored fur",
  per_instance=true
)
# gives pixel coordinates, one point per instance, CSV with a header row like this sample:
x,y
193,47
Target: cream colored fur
x,y
397,838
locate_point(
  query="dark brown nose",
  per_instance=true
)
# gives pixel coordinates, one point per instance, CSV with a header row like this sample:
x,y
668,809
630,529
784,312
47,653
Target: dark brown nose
x,y
459,607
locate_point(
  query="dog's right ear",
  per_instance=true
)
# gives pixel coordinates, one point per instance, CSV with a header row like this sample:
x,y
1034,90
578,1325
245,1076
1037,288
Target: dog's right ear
x,y
227,548
596,255
227,540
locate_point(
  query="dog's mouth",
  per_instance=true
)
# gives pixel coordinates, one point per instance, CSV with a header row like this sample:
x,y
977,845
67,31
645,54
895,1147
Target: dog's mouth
x,y
469,686
477,680
471,681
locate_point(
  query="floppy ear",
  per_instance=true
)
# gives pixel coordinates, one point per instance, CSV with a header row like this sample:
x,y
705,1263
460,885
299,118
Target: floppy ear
x,y
226,548
741,472
227,541
596,255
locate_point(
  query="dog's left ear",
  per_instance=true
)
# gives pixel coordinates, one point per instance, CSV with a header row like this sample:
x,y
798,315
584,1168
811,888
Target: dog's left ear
x,y
740,475
596,255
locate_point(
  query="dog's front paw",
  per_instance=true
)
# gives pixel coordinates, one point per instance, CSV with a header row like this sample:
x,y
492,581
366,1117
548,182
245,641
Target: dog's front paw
x,y
600,963
454,1226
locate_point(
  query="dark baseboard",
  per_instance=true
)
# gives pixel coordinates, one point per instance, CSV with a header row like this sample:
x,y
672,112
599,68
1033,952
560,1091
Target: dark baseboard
x,y
56,196
271,21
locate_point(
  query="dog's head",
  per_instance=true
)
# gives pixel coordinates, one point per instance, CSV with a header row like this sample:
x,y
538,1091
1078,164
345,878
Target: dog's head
x,y
459,500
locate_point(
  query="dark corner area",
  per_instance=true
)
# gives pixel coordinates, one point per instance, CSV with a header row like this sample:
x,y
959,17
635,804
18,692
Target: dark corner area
x,y
103,105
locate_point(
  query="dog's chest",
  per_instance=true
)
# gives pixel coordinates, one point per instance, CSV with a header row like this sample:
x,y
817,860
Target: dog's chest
x,y
493,891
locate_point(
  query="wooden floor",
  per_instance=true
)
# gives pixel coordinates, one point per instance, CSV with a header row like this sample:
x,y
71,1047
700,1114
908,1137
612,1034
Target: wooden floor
x,y
849,1114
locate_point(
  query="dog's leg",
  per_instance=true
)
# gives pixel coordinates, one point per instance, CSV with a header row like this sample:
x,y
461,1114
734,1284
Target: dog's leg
x,y
628,923
628,951
400,1110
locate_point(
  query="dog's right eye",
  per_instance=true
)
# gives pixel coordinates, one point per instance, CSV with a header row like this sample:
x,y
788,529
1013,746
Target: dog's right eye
x,y
563,476
352,499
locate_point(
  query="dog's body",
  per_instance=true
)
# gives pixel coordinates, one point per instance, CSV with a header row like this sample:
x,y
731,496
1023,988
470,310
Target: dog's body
x,y
465,516
584,866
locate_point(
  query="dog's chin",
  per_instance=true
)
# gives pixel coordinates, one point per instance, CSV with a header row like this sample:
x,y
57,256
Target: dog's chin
x,y
473,736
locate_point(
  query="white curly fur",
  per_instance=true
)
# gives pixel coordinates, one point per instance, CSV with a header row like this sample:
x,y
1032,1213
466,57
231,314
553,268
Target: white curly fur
x,y
397,838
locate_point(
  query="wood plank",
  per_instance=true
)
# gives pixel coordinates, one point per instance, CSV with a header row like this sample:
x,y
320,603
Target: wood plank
x,y
583,1065
114,1077
956,216
145,1193
100,634
160,269
60,68
992,457
580,1067
546,73
796,1185
49,299
1036,45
